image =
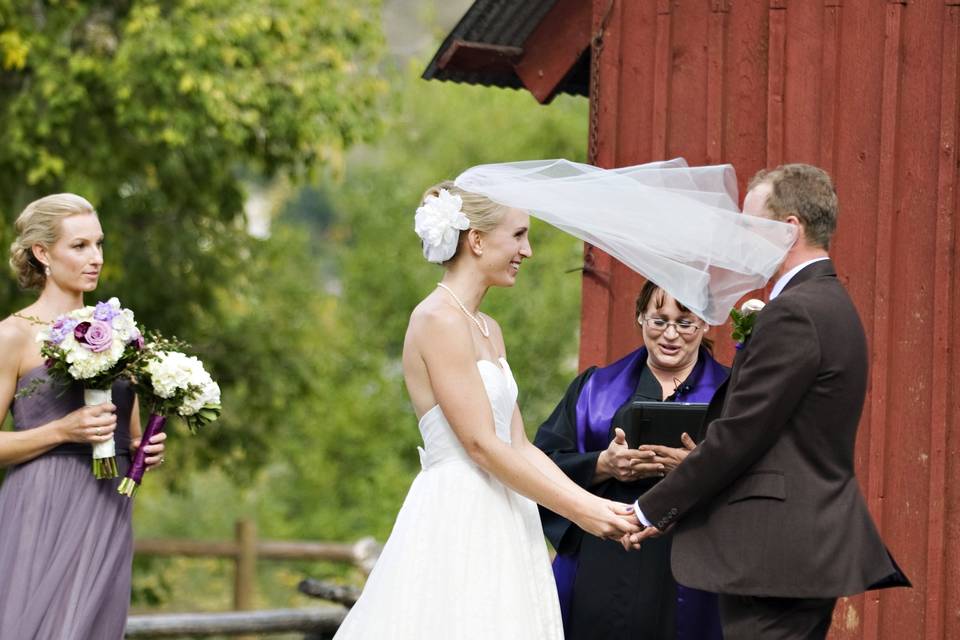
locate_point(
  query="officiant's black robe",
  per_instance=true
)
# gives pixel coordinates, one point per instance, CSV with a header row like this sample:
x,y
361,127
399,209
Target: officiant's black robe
x,y
618,594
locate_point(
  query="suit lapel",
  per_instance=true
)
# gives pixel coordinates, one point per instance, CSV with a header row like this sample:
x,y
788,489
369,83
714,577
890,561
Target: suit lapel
x,y
822,268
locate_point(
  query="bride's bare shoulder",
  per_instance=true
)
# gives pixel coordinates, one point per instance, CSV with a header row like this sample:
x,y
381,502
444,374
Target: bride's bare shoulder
x,y
434,315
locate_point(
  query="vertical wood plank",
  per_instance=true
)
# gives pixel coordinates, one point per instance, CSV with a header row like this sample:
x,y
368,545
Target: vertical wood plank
x,y
716,50
943,289
776,63
828,83
661,81
596,295
879,369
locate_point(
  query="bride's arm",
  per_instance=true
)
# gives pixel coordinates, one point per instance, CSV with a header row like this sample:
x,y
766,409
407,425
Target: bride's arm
x,y
536,457
522,444
445,344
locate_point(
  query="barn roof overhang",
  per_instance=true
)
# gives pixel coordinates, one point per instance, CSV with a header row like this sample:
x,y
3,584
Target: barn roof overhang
x,y
539,45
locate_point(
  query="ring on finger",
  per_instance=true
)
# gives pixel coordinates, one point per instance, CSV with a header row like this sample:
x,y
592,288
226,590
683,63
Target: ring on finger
x,y
98,431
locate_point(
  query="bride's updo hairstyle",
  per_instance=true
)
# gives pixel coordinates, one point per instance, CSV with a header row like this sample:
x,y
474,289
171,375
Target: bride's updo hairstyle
x,y
39,223
482,213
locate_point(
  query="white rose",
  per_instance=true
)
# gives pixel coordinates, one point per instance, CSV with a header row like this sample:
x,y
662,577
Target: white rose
x,y
439,222
752,306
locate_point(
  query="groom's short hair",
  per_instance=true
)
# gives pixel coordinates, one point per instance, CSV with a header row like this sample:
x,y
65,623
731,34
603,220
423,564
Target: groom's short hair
x,y
804,191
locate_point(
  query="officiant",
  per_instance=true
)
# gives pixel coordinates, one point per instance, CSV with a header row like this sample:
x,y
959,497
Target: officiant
x,y
605,592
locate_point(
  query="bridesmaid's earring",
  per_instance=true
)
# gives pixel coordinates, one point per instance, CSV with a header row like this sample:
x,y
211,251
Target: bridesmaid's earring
x,y
46,270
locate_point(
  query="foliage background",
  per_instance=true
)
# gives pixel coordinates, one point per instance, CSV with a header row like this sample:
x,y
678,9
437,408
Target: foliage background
x,y
257,191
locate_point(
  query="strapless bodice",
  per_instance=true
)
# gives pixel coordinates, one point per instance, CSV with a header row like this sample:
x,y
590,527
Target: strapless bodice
x,y
49,400
440,444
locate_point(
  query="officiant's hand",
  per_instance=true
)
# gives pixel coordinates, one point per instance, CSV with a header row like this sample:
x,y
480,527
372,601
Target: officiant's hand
x,y
670,457
632,541
625,464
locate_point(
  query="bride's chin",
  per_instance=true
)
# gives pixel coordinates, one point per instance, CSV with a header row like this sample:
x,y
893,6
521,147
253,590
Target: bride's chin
x,y
507,281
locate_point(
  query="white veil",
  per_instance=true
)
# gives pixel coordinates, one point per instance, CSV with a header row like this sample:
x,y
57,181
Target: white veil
x,y
674,224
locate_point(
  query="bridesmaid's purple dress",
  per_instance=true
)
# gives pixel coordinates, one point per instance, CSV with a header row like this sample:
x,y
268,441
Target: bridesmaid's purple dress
x,y
66,542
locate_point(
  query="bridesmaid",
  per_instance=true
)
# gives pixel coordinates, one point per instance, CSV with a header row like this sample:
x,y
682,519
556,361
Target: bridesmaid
x,y
67,543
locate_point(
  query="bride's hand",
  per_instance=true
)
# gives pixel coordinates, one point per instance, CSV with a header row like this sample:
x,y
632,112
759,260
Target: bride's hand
x,y
607,519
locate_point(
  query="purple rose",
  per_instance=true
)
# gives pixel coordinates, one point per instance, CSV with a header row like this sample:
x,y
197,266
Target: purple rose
x,y
80,332
105,311
99,335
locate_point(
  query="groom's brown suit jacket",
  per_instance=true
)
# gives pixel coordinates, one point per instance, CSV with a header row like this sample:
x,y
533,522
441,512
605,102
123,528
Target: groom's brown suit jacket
x,y
767,504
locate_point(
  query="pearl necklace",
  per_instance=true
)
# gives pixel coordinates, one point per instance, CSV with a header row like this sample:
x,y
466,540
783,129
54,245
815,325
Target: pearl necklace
x,y
480,322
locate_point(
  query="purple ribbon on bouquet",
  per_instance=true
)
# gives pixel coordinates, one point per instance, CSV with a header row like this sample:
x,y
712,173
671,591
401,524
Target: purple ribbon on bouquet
x,y
130,483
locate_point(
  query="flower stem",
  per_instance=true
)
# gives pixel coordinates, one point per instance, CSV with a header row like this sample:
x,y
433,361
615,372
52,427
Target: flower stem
x,y
128,487
105,468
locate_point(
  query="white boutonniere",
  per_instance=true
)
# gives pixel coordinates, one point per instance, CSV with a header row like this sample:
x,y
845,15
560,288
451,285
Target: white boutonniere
x,y
744,319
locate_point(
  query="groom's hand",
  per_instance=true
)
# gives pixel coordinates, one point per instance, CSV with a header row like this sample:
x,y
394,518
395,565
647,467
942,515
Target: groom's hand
x,y
632,541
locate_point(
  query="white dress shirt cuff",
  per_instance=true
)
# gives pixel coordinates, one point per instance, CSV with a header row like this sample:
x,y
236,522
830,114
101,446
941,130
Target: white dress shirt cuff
x,y
642,518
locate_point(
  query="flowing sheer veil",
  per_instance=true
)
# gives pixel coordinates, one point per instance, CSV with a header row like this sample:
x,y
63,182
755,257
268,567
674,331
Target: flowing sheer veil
x,y
674,224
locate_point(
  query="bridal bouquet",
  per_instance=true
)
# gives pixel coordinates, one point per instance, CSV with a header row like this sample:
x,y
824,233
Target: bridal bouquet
x,y
95,346
170,383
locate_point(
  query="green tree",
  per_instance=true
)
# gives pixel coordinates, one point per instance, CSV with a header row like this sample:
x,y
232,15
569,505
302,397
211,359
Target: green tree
x,y
343,472
160,112
363,450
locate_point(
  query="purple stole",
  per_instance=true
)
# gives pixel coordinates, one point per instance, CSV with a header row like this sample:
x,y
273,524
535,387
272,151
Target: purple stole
x,y
604,392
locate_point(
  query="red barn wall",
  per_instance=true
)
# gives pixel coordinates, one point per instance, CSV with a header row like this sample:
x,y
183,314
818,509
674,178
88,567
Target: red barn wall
x,y
870,91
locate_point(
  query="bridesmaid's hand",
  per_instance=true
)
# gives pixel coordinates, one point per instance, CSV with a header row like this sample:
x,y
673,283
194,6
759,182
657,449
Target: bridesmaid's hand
x,y
93,425
154,450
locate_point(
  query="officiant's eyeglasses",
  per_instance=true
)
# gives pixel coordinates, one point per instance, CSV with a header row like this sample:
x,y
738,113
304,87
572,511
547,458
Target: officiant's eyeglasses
x,y
659,325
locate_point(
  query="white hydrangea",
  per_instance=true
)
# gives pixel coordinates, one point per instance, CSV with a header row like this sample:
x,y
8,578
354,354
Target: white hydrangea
x,y
172,372
209,395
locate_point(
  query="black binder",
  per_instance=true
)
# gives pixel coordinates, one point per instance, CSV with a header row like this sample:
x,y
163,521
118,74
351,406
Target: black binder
x,y
662,423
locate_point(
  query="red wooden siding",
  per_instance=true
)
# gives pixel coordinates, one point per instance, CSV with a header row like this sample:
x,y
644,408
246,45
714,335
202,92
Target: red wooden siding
x,y
869,90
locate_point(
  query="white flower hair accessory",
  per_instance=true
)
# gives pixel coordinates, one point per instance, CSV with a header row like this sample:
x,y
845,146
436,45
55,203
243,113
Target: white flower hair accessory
x,y
438,222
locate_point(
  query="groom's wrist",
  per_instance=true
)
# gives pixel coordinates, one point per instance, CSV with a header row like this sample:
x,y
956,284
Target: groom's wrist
x,y
640,517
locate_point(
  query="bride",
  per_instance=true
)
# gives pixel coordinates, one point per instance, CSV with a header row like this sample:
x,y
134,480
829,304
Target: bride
x,y
466,558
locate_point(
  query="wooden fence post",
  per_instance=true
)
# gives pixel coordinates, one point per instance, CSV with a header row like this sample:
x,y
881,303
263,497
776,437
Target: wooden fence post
x,y
245,577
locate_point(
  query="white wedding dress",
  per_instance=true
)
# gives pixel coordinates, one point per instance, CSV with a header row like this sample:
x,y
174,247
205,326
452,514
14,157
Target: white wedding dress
x,y
466,559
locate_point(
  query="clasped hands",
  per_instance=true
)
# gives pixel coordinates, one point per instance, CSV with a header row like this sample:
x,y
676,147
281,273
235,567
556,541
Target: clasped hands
x,y
622,463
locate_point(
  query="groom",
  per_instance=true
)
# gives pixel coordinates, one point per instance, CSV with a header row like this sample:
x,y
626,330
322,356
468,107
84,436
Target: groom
x,y
766,510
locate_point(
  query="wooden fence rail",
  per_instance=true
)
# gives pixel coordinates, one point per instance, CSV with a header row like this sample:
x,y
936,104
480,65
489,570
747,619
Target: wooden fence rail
x,y
316,622
246,550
